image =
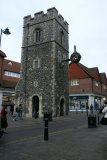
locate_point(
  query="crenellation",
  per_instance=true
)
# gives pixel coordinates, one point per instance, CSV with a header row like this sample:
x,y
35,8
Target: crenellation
x,y
38,15
61,17
45,15
41,17
27,17
66,23
53,11
27,20
32,19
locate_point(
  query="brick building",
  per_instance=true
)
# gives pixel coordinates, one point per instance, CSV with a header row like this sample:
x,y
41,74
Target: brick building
x,y
86,86
9,76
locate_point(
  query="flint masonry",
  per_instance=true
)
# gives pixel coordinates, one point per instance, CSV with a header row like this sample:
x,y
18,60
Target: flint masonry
x,y
44,76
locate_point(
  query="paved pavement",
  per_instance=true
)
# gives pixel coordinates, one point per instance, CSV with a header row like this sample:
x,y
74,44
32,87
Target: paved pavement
x,y
76,142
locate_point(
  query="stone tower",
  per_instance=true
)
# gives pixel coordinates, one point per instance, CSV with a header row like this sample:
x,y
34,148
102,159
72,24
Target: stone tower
x,y
44,76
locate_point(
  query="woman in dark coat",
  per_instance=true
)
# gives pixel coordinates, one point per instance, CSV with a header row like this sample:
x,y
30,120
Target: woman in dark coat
x,y
3,117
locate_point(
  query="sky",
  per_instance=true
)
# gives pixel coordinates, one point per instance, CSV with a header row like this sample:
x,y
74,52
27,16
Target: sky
x,y
87,21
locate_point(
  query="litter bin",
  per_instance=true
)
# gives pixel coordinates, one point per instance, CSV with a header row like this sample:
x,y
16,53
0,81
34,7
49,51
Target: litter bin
x,y
92,121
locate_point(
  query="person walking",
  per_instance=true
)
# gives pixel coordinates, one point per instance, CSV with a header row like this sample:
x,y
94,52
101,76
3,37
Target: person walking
x,y
3,117
11,109
91,108
104,118
20,111
16,116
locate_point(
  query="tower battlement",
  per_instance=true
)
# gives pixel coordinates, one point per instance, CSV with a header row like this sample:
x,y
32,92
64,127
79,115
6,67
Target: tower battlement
x,y
39,17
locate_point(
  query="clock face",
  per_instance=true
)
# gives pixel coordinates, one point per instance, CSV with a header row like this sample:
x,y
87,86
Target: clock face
x,y
75,57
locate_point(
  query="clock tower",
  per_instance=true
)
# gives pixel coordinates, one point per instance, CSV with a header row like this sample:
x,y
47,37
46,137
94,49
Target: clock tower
x,y
43,85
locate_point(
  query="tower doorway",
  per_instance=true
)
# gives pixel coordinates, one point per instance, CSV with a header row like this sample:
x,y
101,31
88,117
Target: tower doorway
x,y
62,107
35,105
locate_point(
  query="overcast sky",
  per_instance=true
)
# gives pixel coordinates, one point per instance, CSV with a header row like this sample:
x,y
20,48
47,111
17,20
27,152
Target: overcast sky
x,y
87,21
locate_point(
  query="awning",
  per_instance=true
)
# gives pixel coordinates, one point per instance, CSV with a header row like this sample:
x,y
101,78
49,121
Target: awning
x,y
7,104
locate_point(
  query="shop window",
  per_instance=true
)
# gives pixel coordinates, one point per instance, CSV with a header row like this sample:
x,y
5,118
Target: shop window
x,y
12,74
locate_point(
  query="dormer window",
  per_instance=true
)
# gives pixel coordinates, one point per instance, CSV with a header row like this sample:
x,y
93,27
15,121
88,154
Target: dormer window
x,y
10,63
37,35
104,86
96,83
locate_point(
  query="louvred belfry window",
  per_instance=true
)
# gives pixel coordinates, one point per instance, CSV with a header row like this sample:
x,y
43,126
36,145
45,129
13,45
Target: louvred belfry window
x,y
37,35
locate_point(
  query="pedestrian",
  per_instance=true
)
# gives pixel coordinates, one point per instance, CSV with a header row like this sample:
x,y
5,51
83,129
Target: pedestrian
x,y
87,108
104,118
16,116
91,108
12,109
20,111
3,117
100,109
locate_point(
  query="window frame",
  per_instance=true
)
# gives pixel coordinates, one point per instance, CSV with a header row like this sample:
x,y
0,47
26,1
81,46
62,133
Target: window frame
x,y
11,74
37,35
74,82
36,63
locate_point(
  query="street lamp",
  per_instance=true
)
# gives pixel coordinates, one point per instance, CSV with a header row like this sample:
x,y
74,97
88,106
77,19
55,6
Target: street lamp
x,y
6,32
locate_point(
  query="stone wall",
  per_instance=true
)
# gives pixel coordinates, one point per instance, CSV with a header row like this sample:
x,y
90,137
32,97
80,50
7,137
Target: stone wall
x,y
48,81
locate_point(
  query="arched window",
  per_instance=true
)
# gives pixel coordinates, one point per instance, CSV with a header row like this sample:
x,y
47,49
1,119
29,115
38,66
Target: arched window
x,y
37,35
59,56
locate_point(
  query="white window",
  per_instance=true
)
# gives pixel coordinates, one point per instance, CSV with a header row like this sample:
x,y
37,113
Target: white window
x,y
36,63
10,63
35,83
96,83
74,82
104,87
11,74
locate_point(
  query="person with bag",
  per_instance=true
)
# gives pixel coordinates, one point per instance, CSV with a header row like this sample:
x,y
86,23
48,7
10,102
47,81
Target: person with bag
x,y
3,116
104,118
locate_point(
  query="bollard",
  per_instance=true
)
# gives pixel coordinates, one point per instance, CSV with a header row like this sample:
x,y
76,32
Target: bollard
x,y
46,127
98,117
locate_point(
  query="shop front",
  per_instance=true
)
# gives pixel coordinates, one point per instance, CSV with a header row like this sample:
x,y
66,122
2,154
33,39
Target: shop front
x,y
78,102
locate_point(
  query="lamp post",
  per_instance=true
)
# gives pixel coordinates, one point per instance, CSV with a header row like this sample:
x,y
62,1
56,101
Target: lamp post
x,y
6,32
